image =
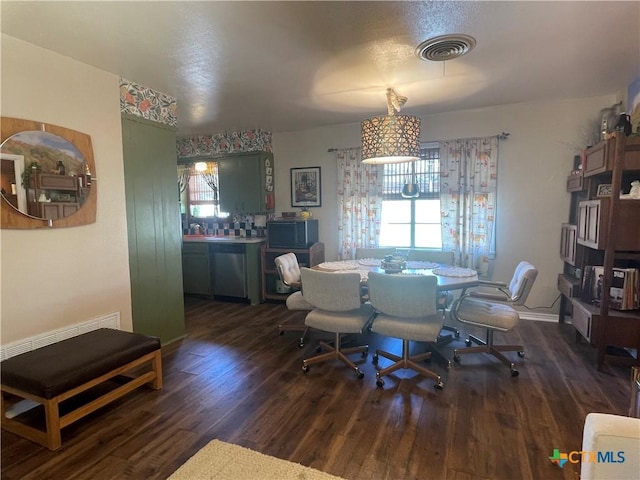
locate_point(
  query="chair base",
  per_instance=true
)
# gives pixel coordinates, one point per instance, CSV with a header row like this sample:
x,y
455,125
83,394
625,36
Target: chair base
x,y
489,347
445,339
336,352
294,327
405,361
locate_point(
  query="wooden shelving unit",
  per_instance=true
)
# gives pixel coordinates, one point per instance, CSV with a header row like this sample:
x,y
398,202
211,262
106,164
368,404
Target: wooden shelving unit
x,y
623,242
307,257
603,231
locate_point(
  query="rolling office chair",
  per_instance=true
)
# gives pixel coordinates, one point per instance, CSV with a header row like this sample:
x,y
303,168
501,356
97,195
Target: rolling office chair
x,y
289,273
407,309
337,309
442,257
493,311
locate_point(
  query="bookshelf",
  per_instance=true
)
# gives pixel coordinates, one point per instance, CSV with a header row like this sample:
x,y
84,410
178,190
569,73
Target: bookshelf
x,y
604,231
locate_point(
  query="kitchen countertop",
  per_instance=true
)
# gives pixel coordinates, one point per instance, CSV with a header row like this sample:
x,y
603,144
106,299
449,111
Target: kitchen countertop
x,y
221,239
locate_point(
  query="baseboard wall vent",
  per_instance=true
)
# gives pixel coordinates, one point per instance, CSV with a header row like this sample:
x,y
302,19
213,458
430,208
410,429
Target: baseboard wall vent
x,y
111,320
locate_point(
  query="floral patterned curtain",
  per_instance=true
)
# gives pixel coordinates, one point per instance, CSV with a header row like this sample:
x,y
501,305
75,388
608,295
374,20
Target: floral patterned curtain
x,y
210,176
359,203
184,172
468,176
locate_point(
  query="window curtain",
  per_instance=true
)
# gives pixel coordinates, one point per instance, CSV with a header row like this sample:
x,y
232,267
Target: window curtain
x,y
184,172
468,186
210,176
359,203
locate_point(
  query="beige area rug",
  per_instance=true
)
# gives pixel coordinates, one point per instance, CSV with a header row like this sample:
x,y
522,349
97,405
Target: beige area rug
x,y
224,461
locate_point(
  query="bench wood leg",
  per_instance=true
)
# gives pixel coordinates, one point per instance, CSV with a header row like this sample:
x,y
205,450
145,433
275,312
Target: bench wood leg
x,y
52,415
156,366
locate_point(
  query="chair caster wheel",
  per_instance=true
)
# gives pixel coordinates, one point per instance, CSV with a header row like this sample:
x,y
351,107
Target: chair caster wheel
x,y
358,373
521,354
514,372
281,332
439,385
456,334
305,368
467,342
380,383
456,358
374,359
365,353
300,344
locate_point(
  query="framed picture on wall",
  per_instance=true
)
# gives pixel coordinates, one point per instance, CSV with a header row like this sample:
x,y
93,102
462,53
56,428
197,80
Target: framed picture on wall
x,y
306,187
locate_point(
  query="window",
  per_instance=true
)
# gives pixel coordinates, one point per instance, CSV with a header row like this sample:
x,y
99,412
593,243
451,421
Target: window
x,y
412,222
201,193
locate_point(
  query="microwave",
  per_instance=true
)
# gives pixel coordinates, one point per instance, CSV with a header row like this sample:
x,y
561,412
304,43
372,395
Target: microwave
x,y
292,233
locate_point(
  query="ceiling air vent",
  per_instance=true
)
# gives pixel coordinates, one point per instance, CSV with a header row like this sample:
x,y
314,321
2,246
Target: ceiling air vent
x,y
445,47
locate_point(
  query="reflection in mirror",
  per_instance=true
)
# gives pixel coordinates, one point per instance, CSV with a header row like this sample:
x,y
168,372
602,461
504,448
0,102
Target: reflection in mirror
x,y
11,180
44,175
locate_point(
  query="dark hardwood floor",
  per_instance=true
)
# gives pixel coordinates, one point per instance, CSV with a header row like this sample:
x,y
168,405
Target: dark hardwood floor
x,y
235,379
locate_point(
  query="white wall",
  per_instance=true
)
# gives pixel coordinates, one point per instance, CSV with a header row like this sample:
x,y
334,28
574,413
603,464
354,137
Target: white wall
x,y
53,278
534,163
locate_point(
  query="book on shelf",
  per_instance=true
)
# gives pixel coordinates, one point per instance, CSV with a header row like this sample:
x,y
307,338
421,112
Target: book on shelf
x,y
624,292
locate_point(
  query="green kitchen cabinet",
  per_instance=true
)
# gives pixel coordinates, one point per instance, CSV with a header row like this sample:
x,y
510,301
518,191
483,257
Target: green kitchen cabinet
x,y
197,269
245,180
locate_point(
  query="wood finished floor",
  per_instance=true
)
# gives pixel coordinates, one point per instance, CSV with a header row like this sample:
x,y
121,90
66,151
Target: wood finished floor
x,y
234,379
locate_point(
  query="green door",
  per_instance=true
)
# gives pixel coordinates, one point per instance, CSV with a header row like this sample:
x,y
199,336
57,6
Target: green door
x,y
153,226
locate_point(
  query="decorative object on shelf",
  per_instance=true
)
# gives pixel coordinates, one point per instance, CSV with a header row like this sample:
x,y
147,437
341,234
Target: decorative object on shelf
x,y
609,120
604,190
635,189
87,172
624,123
633,105
391,138
60,170
306,187
305,214
578,160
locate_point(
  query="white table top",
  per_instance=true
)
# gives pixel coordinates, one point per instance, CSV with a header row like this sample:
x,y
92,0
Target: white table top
x,y
449,278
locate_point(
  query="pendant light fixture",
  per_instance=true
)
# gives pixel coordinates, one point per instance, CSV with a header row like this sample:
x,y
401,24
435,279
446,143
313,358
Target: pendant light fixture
x,y
411,188
391,138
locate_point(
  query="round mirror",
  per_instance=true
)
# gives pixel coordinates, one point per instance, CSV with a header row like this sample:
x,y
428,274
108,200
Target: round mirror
x,y
43,175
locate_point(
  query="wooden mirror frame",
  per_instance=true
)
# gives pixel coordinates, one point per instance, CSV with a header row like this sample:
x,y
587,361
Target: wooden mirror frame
x,y
13,218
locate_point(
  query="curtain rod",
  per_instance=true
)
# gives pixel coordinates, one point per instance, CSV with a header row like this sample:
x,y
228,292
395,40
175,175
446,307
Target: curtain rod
x,y
499,136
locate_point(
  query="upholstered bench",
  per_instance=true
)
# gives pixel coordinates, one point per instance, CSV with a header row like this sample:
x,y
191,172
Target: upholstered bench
x,y
57,372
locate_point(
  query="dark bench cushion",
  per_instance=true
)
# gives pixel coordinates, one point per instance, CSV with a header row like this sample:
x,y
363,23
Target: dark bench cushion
x,y
59,367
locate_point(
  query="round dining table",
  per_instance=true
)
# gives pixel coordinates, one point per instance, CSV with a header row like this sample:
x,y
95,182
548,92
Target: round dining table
x,y
449,277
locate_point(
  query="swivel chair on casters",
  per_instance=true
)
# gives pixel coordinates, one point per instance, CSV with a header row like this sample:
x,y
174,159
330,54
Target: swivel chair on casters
x,y
289,273
338,309
406,309
442,257
494,312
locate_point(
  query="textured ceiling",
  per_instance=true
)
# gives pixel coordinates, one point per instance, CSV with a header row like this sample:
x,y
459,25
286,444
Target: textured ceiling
x,y
285,66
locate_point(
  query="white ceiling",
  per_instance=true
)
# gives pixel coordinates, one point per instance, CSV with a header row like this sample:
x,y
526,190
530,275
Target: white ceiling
x,y
286,66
